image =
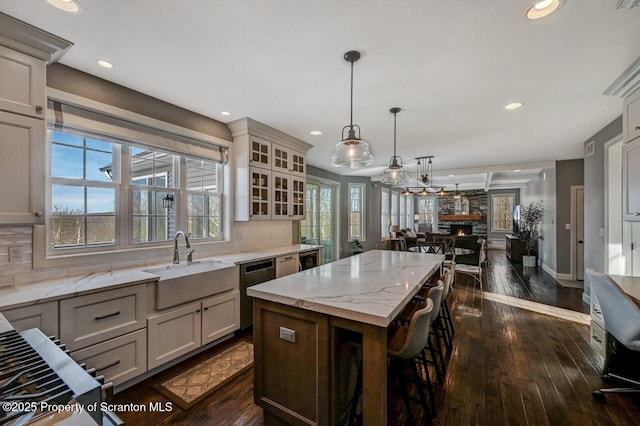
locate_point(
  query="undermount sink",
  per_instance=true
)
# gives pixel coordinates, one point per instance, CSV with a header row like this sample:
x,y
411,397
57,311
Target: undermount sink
x,y
185,282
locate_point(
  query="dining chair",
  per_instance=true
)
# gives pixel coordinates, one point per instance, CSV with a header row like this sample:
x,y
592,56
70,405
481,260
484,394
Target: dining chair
x,y
449,242
433,247
474,271
622,323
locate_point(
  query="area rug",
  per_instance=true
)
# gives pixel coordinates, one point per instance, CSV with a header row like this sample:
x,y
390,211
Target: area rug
x,y
193,385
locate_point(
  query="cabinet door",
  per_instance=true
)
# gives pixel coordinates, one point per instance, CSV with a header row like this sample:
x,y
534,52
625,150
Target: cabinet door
x,y
631,180
173,334
281,205
259,153
297,198
21,164
281,160
220,316
298,164
260,186
43,316
22,83
631,116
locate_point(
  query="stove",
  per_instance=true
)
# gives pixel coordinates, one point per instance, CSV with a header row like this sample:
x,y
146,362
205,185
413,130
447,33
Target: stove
x,y
38,377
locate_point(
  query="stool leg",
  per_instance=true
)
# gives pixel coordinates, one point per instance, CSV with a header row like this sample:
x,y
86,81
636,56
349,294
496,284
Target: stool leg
x,y
429,385
423,399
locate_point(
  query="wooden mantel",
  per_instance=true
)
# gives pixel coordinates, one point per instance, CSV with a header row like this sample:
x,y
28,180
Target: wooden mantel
x,y
459,217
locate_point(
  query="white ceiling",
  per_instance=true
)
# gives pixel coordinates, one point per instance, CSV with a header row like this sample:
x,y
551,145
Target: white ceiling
x,y
450,65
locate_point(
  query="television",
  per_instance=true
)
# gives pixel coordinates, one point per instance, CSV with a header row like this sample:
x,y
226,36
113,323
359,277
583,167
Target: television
x,y
516,219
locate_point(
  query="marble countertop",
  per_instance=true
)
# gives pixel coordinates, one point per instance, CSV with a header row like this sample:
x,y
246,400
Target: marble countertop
x,y
371,287
43,291
630,285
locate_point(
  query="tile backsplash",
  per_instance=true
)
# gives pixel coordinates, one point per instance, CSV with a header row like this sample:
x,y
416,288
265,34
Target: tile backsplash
x,y
247,236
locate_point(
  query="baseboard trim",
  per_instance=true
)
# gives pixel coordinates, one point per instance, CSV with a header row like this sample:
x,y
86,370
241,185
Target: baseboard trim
x,y
548,270
561,276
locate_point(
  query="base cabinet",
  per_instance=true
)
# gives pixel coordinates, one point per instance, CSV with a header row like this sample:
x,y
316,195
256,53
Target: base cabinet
x,y
180,331
516,248
42,315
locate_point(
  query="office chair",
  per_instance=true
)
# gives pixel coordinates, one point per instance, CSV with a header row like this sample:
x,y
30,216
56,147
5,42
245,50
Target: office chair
x,y
622,323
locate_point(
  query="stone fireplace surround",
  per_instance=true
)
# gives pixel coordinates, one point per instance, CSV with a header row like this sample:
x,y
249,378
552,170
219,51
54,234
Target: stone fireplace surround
x,y
478,205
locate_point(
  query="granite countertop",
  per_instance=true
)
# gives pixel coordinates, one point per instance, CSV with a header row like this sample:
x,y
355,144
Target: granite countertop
x,y
371,287
630,285
62,288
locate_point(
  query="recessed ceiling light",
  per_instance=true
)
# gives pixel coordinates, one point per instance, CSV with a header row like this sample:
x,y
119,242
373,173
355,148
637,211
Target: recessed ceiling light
x,y
66,5
513,105
451,175
104,63
516,170
315,132
542,8
225,113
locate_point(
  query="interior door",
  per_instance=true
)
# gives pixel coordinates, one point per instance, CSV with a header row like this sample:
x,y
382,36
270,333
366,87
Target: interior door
x,y
579,234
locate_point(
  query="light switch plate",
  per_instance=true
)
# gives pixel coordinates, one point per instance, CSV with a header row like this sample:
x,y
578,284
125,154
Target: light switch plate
x,y
567,226
287,334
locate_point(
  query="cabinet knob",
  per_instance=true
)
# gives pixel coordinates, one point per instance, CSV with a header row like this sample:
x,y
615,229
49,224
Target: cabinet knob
x,y
637,213
38,109
637,127
39,214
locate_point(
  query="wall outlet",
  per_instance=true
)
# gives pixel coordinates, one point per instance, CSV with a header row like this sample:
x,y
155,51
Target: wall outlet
x,y
567,226
287,334
15,254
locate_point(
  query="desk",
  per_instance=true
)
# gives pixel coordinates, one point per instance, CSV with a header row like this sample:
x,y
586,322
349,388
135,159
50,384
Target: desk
x,y
297,382
630,285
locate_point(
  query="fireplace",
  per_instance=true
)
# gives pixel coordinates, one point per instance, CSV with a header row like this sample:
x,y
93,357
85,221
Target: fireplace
x,y
460,230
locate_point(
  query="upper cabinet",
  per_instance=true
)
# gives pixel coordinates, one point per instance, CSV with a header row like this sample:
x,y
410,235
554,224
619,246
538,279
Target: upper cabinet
x,y
24,54
631,117
270,172
22,84
631,180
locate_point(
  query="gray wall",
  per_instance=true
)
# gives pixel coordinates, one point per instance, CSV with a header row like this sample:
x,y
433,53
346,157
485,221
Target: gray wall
x,y
594,197
499,235
88,86
544,189
568,173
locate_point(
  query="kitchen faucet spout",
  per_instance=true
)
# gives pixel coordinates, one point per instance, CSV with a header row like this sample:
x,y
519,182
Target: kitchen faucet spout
x,y
176,257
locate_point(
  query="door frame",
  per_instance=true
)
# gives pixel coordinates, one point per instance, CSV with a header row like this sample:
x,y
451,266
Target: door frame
x,y
616,140
335,209
574,221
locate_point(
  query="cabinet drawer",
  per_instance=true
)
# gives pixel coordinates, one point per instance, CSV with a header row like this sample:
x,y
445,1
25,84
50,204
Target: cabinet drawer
x,y
598,338
595,311
119,359
43,316
94,318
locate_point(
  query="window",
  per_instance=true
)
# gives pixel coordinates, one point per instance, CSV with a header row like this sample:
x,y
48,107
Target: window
x,y
406,211
83,192
427,208
461,205
319,225
395,206
502,212
385,216
356,211
91,207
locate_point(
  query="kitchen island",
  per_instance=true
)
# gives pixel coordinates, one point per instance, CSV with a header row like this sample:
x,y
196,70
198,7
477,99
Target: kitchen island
x,y
303,322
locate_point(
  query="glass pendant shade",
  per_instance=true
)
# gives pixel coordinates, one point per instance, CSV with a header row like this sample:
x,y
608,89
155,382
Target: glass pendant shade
x,y
395,174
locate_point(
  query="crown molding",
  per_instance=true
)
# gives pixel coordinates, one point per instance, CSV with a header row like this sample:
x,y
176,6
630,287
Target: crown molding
x,y
627,82
627,4
25,38
249,125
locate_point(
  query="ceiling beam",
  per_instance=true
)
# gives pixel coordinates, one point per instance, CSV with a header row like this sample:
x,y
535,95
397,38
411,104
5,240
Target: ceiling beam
x,y
497,168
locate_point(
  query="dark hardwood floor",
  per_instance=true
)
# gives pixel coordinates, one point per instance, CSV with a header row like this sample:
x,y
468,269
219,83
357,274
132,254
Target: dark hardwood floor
x,y
509,366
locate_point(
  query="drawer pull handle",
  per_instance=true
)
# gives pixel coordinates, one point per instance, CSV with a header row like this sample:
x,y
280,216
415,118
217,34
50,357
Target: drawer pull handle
x,y
206,309
597,311
101,317
637,213
113,364
596,338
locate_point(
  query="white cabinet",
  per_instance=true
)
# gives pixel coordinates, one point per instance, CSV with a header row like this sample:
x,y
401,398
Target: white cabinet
x,y
220,316
598,335
631,180
42,315
22,86
631,116
173,334
180,331
22,153
119,359
287,265
94,318
263,156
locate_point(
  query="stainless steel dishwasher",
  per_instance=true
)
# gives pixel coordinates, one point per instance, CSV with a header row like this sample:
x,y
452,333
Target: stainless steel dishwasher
x,y
253,273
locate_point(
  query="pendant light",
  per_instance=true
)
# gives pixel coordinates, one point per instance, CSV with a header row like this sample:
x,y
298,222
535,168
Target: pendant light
x,y
395,174
406,192
442,192
351,151
457,193
424,174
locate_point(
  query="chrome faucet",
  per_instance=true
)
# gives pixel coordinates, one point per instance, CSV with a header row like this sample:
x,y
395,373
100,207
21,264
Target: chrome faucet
x,y
176,257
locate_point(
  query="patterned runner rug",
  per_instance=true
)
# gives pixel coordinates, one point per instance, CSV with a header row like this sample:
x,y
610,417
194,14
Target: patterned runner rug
x,y
195,384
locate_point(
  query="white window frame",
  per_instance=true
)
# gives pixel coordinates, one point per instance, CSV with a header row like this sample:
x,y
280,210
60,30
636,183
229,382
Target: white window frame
x,y
45,256
361,234
395,208
385,213
510,213
424,215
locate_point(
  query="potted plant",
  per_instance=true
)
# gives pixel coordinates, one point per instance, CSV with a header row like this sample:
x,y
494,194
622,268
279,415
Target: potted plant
x,y
530,218
357,247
